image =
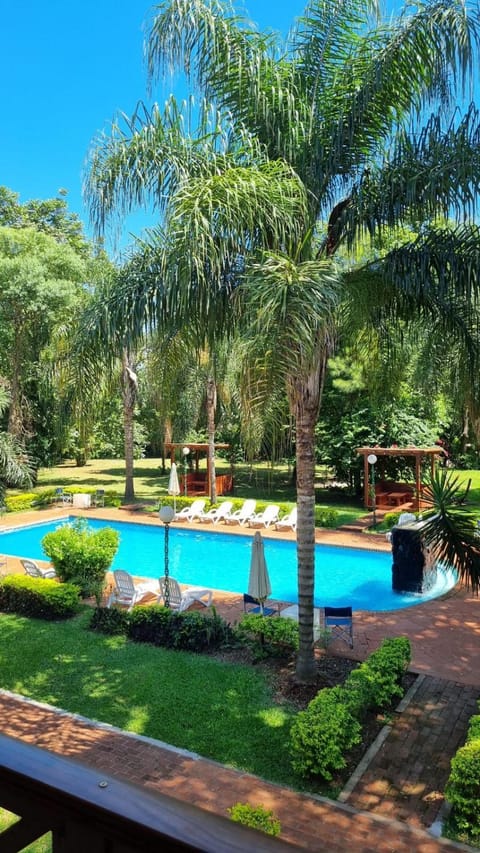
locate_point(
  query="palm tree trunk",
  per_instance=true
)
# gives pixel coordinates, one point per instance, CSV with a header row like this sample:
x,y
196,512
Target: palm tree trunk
x,y
129,394
305,395
211,407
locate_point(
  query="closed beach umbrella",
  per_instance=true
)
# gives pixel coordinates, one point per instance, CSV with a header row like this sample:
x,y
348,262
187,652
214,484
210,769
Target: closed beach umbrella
x,y
173,485
258,582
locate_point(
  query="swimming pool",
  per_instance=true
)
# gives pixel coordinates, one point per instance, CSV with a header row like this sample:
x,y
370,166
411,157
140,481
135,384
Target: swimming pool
x,y
222,561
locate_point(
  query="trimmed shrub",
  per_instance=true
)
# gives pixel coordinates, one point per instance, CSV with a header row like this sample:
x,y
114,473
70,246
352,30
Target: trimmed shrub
x,y
270,635
82,556
463,792
39,597
321,735
192,631
377,680
330,725
109,620
463,788
20,503
326,516
257,817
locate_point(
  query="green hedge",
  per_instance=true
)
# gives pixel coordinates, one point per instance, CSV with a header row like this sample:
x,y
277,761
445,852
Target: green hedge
x,y
32,500
330,725
192,631
271,636
39,597
463,789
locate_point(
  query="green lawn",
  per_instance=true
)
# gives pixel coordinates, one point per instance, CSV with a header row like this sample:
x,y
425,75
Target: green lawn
x,y
262,481
227,710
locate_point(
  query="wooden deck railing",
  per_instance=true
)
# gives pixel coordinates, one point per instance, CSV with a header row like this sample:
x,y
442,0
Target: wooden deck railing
x,y
88,812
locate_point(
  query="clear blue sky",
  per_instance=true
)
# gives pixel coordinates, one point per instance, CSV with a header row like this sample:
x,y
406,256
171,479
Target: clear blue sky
x,y
66,69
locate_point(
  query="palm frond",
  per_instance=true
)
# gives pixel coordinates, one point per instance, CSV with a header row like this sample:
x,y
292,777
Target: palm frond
x,y
449,528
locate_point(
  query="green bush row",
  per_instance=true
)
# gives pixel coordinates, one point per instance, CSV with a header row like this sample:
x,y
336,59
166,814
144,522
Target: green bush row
x,y
41,598
30,500
192,631
463,788
331,724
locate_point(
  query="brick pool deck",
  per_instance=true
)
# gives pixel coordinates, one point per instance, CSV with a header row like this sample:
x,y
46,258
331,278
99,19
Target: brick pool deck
x,y
397,796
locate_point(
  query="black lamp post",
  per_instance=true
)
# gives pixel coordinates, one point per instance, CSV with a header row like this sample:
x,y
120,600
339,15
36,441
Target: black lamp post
x,y
166,515
371,458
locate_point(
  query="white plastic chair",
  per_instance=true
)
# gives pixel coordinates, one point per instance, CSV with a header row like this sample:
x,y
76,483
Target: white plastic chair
x,y
266,518
34,570
181,599
126,592
242,515
190,513
288,522
214,515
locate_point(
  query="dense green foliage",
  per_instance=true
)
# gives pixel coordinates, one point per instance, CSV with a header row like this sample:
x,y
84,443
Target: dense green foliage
x,y
331,724
463,789
82,556
269,636
257,817
39,597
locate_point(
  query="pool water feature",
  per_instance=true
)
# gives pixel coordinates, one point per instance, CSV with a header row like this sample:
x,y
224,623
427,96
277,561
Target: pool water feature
x,y
354,576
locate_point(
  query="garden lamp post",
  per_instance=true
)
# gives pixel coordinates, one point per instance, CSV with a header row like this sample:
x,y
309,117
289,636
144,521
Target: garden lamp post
x,y
166,515
185,451
371,458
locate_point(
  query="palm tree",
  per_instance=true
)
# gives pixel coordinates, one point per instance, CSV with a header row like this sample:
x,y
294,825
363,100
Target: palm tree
x,y
299,147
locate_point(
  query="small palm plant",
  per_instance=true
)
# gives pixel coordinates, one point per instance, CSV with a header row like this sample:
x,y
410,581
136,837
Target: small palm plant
x,y
450,527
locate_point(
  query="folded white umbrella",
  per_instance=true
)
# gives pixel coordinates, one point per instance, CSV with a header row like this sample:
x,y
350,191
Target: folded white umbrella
x,y
258,582
173,485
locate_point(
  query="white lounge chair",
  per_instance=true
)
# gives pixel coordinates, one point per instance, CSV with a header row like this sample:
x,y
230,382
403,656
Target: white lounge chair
x,y
126,592
288,521
216,514
242,515
266,518
35,571
181,599
190,513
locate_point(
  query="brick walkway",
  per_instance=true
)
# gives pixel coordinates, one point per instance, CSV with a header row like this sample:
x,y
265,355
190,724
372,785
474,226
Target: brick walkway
x,y
400,792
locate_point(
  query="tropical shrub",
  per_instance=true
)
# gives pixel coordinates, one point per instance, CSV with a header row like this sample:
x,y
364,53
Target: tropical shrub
x,y
82,556
41,598
257,817
20,503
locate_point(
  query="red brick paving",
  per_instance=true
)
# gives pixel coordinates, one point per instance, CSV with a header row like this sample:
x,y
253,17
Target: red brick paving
x,y
400,792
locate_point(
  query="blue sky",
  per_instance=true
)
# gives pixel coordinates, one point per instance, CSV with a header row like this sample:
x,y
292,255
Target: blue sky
x,y
67,68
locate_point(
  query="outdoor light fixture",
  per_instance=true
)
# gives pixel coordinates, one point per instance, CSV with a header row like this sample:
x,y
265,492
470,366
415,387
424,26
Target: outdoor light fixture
x,y
371,459
185,451
166,515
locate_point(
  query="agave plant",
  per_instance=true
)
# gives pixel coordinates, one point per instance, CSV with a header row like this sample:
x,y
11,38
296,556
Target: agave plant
x,y
450,527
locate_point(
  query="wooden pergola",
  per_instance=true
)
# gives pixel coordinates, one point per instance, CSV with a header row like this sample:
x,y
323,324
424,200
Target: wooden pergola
x,y
197,449
418,454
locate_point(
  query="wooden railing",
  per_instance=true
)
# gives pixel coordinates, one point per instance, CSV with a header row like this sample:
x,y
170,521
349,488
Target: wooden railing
x,y
88,812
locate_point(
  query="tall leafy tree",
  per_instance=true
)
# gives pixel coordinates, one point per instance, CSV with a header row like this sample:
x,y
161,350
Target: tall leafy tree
x,y
300,147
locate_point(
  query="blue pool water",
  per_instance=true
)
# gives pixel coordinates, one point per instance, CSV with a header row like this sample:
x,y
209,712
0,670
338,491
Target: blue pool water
x,y
222,561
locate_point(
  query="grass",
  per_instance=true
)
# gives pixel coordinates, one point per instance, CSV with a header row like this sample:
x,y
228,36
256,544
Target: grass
x,y
228,712
262,481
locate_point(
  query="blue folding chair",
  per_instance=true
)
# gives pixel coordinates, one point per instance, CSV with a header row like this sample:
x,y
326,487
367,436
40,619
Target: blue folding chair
x,y
340,621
